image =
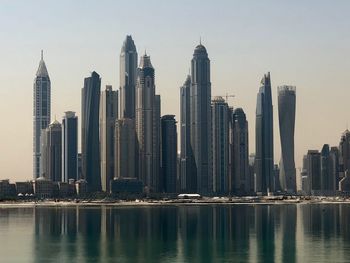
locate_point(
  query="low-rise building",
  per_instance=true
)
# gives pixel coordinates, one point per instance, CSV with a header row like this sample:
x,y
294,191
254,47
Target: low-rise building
x,y
126,185
24,188
43,188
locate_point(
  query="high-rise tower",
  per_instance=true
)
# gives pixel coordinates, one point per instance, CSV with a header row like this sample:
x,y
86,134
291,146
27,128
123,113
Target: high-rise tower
x,y
69,146
220,139
108,116
286,114
187,178
128,75
201,119
41,111
90,145
264,163
147,125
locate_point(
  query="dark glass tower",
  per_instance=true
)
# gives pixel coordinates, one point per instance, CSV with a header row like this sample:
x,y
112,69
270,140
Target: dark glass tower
x,y
286,115
168,153
128,72
41,111
69,146
187,180
264,139
201,119
90,132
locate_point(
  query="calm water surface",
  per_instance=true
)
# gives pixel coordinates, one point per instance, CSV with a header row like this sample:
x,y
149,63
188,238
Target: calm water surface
x,y
218,233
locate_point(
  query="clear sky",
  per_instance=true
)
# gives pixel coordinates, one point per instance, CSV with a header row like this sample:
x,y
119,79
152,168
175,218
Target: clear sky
x,y
302,43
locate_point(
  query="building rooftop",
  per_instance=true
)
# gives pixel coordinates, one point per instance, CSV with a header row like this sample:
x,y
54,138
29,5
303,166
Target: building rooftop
x,y
42,70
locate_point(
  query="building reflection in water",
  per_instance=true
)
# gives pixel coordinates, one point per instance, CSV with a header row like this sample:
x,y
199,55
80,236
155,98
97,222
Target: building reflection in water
x,y
218,233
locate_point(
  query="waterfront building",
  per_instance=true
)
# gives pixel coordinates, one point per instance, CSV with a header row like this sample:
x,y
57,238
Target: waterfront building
x,y
127,76
187,178
264,161
314,171
241,183
220,144
344,153
147,125
126,186
125,156
41,111
69,146
108,116
327,172
201,119
51,152
90,144
286,116
168,154
334,160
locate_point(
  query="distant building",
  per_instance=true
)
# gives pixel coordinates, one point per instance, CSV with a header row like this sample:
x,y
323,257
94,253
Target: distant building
x,y
264,161
108,116
168,154
220,143
201,137
81,187
43,188
252,179
314,171
24,188
51,159
327,172
344,183
7,190
125,156
127,77
276,178
41,111
286,114
90,144
334,160
126,185
241,183
187,178
69,146
344,153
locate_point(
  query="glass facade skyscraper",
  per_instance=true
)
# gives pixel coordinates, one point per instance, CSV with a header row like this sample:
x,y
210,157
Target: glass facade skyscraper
x,y
41,111
90,144
264,162
286,115
201,120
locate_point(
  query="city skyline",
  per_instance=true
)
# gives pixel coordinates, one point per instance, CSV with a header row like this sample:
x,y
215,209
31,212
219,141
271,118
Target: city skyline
x,y
66,84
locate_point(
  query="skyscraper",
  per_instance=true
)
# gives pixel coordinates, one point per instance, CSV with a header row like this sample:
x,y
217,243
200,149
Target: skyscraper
x,y
108,116
147,109
314,171
128,75
328,172
220,140
286,114
41,111
156,142
201,119
344,153
241,180
187,178
168,154
51,143
125,158
69,146
264,139
90,132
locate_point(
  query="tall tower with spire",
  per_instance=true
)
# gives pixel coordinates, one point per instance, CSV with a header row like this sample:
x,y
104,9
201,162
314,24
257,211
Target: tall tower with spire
x,y
201,119
147,125
128,70
41,111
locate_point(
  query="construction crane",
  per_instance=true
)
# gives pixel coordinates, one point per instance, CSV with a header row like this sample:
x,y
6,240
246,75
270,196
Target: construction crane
x,y
227,96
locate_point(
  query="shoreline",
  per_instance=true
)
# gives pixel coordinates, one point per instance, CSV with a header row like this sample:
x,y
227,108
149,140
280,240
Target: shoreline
x,y
176,202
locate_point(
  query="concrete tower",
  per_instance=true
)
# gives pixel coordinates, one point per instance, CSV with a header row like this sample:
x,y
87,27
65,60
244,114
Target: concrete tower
x,y
147,129
108,116
41,111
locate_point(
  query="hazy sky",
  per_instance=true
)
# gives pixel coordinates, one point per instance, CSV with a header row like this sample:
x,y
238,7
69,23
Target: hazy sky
x,y
302,43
